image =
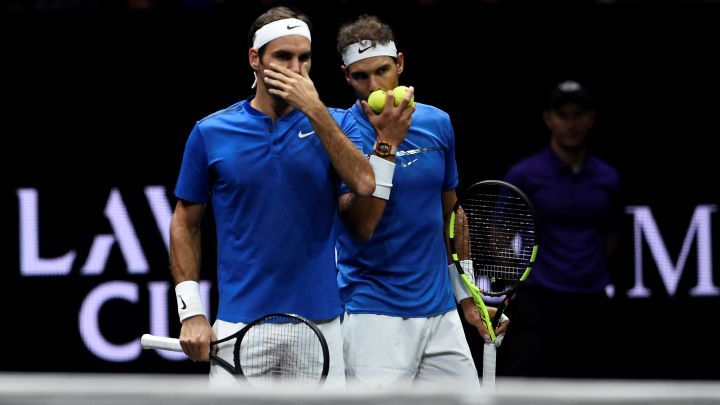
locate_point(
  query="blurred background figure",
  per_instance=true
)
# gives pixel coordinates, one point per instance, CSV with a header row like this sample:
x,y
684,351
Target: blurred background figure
x,y
576,196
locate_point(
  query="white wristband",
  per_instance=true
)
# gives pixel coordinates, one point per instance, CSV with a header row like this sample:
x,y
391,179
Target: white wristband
x,y
461,289
189,302
384,171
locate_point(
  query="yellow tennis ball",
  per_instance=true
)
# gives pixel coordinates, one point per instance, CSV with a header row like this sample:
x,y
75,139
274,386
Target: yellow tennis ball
x,y
376,100
400,92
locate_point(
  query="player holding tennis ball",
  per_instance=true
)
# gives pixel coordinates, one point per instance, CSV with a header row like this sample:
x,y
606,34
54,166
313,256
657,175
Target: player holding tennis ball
x,y
401,323
400,92
377,98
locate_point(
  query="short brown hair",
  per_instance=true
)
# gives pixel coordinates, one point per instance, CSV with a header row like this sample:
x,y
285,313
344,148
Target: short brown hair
x,y
365,27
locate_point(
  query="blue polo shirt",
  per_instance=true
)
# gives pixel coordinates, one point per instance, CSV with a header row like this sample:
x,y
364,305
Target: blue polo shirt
x,y
402,270
575,212
274,196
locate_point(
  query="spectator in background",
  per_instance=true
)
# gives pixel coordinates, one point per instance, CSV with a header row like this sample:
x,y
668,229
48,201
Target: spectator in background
x,y
576,198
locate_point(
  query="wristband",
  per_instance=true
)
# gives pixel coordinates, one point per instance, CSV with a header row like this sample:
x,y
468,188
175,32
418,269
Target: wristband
x,y
384,171
460,289
189,302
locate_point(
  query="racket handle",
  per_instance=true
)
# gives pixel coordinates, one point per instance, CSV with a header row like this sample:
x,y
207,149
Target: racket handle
x,y
489,364
499,312
148,341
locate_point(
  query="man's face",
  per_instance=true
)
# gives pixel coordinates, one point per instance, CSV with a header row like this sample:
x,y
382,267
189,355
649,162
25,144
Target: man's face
x,y
378,72
289,51
569,124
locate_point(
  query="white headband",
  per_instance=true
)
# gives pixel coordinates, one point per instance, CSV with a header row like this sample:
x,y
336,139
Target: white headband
x,y
367,49
280,28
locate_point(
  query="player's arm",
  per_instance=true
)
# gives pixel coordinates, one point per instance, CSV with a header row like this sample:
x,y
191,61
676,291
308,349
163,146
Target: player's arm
x,y
467,304
361,214
299,91
185,258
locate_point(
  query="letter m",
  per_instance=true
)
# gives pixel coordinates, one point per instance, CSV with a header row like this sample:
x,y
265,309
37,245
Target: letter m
x,y
644,226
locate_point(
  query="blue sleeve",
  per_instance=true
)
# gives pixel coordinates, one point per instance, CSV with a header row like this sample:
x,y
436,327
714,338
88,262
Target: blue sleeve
x,y
353,131
193,184
451,171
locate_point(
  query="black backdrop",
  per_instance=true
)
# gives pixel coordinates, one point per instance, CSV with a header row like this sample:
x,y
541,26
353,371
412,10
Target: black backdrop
x,y
101,100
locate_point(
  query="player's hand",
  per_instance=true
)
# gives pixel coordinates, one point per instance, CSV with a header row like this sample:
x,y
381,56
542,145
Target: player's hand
x,y
296,89
472,316
392,124
195,337
504,321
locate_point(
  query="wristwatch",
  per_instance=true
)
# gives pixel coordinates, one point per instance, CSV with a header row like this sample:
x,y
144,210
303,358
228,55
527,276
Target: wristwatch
x,y
384,149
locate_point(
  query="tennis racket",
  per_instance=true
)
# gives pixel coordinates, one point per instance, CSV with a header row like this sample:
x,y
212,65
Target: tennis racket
x,y
275,348
493,242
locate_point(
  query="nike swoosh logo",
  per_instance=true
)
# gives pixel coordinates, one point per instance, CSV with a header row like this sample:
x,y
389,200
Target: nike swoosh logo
x,y
420,150
365,49
183,302
294,26
302,134
406,164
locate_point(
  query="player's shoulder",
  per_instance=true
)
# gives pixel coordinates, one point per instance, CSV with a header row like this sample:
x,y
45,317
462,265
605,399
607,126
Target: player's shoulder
x,y
231,112
336,112
431,111
429,116
342,116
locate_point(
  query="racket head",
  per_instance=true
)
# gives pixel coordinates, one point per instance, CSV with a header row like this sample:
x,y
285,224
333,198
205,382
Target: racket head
x,y
493,228
279,348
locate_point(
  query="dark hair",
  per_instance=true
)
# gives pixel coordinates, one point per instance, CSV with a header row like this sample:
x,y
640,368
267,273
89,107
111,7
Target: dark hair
x,y
569,91
274,14
364,27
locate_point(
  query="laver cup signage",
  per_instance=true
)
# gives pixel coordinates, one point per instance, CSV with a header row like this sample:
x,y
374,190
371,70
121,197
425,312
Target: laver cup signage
x,y
121,270
115,268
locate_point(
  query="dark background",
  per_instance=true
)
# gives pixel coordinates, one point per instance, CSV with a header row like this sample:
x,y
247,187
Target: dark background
x,y
100,95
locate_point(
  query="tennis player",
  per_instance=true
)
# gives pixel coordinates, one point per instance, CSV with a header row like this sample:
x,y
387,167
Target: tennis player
x,y
401,324
270,166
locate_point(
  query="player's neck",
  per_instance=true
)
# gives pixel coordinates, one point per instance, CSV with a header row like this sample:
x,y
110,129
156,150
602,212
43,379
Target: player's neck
x,y
269,104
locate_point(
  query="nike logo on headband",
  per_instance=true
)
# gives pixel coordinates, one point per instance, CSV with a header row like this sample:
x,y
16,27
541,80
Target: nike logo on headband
x,y
365,49
294,26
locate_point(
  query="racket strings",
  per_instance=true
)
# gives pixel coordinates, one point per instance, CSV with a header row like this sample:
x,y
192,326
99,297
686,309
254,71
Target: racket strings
x,y
281,350
501,237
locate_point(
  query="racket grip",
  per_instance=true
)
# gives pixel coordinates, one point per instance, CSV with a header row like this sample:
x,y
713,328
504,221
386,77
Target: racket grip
x,y
489,364
498,313
148,341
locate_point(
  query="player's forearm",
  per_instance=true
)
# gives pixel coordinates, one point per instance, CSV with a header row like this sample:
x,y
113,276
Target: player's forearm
x,y
185,255
350,164
361,215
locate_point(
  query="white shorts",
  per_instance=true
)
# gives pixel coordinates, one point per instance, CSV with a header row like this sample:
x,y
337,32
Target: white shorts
x,y
385,350
330,329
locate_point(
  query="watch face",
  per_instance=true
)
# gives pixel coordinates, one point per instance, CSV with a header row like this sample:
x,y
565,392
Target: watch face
x,y
384,149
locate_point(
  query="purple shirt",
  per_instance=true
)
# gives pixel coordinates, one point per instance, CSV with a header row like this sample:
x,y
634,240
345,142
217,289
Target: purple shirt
x,y
575,212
